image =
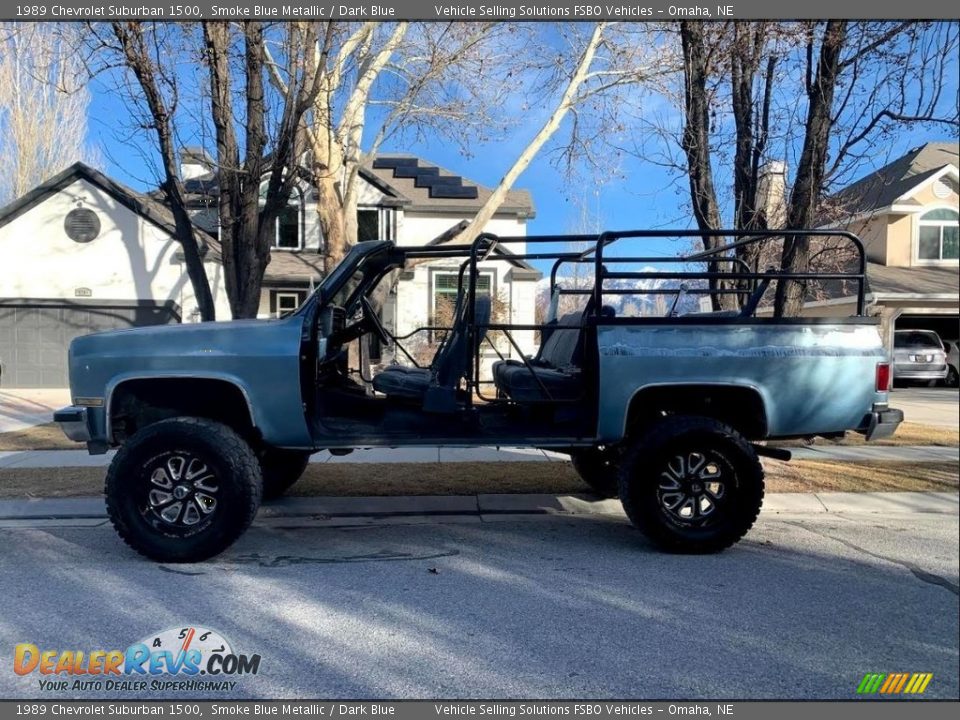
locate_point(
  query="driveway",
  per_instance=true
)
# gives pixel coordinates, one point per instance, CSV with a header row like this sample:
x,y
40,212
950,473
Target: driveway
x,y
552,607
23,408
930,406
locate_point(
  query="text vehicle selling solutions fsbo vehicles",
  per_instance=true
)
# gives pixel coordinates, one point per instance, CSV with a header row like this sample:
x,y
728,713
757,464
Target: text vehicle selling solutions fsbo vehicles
x,y
665,408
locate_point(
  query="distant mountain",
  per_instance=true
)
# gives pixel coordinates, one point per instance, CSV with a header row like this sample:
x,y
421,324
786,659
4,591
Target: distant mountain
x,y
628,304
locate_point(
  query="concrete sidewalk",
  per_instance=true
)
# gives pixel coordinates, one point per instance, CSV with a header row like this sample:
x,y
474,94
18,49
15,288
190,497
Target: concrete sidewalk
x,y
80,458
353,510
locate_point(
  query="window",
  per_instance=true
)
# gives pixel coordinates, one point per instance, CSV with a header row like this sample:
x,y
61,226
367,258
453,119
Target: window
x,y
443,302
368,225
284,302
288,227
939,235
375,223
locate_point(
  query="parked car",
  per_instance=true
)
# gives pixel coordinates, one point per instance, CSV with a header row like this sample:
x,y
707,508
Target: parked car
x,y
919,356
667,412
953,363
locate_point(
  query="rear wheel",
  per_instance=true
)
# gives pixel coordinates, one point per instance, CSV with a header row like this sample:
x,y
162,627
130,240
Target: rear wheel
x,y
281,469
953,380
597,467
183,489
691,484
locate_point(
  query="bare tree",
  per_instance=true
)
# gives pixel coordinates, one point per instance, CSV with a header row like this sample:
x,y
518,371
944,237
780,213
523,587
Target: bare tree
x,y
247,215
611,68
136,48
43,106
390,80
861,82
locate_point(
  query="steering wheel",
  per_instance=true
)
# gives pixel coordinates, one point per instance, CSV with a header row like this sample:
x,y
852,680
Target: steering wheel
x,y
373,320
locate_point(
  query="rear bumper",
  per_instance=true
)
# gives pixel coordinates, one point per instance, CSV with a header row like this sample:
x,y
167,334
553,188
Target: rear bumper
x,y
880,423
74,422
924,373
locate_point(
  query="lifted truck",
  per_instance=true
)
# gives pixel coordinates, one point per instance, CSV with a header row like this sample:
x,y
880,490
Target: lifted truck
x,y
663,411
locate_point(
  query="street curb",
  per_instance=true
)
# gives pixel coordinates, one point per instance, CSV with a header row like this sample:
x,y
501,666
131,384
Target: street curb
x,y
328,508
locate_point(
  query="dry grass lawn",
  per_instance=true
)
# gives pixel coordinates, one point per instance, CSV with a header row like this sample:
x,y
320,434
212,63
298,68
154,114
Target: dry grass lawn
x,y
345,479
38,437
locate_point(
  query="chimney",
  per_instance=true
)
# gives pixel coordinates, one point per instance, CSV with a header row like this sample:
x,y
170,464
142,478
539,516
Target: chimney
x,y
772,193
194,162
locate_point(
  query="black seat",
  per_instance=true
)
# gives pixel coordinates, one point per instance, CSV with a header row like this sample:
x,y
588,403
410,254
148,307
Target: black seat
x,y
449,364
556,367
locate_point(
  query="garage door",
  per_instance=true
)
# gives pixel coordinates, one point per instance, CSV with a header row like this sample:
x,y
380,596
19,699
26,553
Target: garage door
x,y
35,335
946,326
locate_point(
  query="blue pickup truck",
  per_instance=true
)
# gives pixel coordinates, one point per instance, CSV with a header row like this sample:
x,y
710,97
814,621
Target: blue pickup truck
x,y
666,409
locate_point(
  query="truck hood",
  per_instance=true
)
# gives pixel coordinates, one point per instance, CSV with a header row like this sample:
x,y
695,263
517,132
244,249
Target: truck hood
x,y
206,339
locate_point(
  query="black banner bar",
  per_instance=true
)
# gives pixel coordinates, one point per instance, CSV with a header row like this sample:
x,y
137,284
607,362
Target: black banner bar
x,y
470,10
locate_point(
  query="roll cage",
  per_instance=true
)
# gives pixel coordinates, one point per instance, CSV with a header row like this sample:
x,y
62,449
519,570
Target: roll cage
x,y
611,267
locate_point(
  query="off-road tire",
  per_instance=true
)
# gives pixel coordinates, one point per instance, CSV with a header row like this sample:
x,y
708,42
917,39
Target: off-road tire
x,y
598,469
233,468
644,470
281,469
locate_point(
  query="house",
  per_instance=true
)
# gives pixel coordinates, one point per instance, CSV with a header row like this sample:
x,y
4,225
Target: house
x,y
906,214
81,253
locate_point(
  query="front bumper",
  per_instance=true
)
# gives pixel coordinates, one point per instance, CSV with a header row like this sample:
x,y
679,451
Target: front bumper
x,y
74,422
880,423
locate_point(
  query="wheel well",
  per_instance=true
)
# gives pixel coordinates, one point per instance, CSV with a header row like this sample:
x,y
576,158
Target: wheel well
x,y
134,404
740,407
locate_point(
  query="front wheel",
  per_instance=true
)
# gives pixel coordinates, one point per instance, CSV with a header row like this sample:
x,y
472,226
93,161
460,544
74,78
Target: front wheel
x,y
183,489
691,484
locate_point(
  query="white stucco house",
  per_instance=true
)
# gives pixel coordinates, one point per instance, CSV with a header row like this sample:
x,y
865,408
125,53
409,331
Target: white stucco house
x,y
81,252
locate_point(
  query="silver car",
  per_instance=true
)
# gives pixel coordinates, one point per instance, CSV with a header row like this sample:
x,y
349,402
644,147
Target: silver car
x,y
918,356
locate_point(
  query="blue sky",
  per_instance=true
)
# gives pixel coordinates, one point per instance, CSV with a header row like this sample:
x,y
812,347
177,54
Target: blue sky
x,y
639,194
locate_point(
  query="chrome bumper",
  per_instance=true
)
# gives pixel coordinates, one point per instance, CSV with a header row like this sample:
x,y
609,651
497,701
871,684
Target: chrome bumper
x,y
73,421
881,423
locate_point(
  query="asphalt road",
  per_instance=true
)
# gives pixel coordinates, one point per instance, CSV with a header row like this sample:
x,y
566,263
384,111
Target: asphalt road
x,y
519,608
930,406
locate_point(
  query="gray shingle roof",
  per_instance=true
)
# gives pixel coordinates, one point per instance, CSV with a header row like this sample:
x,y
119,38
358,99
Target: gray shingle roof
x,y
882,279
879,189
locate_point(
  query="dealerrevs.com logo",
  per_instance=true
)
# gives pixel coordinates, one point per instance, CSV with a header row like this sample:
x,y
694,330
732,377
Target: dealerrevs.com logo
x,y
184,658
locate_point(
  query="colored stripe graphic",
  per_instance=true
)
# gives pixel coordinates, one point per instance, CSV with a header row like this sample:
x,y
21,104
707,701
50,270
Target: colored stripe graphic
x,y
894,683
870,683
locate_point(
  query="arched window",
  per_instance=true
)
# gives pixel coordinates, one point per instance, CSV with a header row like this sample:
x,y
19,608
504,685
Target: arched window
x,y
288,227
939,235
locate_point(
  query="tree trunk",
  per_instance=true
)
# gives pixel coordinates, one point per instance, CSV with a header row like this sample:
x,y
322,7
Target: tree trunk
x,y
247,222
808,185
696,145
327,171
138,59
